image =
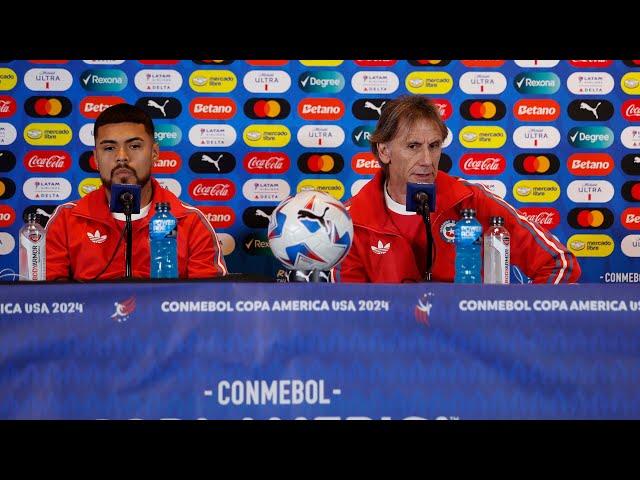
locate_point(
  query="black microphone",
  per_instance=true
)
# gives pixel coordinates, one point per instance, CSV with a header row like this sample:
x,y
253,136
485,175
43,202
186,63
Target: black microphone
x,y
419,194
125,197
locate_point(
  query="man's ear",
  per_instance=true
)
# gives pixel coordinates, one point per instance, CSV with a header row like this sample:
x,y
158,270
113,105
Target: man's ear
x,y
155,151
384,153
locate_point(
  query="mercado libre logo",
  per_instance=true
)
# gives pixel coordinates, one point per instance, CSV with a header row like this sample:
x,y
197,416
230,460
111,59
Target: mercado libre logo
x,y
423,308
124,309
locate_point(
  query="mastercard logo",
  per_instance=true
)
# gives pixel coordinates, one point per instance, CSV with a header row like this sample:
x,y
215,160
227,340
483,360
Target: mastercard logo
x,y
7,188
48,106
267,108
631,191
529,164
482,109
320,163
590,218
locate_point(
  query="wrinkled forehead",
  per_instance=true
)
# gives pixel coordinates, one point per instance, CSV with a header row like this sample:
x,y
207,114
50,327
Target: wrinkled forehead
x,y
418,129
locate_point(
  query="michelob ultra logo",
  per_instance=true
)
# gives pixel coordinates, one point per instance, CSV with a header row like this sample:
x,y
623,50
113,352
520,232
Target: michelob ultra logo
x,y
8,133
212,81
48,79
631,245
630,83
260,135
333,187
537,63
212,135
537,83
321,81
590,218
267,81
476,136
103,80
590,137
321,63
482,110
590,191
531,164
320,136
630,137
375,82
427,82
47,134
587,164
529,136
365,163
361,135
482,83
630,218
357,186
167,135
8,79
590,83
86,134
595,245
88,185
536,110
536,191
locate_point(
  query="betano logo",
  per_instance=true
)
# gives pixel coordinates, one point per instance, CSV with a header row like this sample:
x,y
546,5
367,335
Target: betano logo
x,y
329,109
531,164
590,164
590,218
482,83
321,163
158,81
375,82
630,218
55,107
8,106
8,79
213,81
321,63
266,135
590,191
590,83
219,217
267,81
365,163
536,110
489,136
48,79
321,81
212,108
427,82
631,245
596,245
631,191
631,110
590,63
267,108
333,187
7,216
536,191
88,185
320,136
212,135
591,137
630,83
167,162
167,135
482,164
537,83
104,80
482,109
47,134
93,106
630,137
537,63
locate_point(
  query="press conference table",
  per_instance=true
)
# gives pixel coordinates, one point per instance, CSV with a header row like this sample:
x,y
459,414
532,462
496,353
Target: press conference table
x,y
237,349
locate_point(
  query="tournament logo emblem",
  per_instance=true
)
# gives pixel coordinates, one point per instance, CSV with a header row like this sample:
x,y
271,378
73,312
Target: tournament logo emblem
x,y
124,309
423,309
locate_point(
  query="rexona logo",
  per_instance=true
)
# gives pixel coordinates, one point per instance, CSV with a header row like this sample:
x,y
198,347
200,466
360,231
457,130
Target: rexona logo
x,y
590,110
265,135
532,164
322,81
536,110
590,83
537,63
590,191
321,163
212,162
212,108
590,164
93,106
547,217
482,83
590,63
219,217
329,109
50,188
537,83
590,137
320,136
7,161
103,80
88,185
631,191
47,134
584,245
630,164
46,161
590,218
88,162
630,137
482,164
365,163
266,190
8,134
8,106
482,110
536,191
375,63
154,81
7,216
361,135
48,79
630,110
7,188
266,162
267,81
53,107
167,135
494,186
160,107
429,63
427,82
256,244
488,136
631,245
375,82
208,135
257,217
333,187
267,108
208,189
213,81
630,218
8,79
630,83
167,162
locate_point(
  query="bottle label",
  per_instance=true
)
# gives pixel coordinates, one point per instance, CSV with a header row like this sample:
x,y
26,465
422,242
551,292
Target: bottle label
x,y
164,228
35,251
501,255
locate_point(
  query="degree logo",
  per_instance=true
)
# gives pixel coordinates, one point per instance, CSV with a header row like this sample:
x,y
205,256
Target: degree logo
x,y
536,110
630,83
482,110
537,83
329,109
531,164
55,107
590,137
630,218
321,81
333,187
8,79
365,163
590,191
267,81
631,191
7,161
590,164
590,218
584,245
167,135
47,134
8,106
489,136
320,163
266,135
103,80
267,108
536,191
598,110
631,164
482,83
212,108
212,81
427,82
590,83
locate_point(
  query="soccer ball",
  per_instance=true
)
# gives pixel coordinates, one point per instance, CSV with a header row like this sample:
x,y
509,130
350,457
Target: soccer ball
x,y
311,231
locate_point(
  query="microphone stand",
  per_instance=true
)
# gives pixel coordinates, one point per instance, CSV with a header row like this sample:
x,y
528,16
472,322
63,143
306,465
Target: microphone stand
x,y
422,200
126,206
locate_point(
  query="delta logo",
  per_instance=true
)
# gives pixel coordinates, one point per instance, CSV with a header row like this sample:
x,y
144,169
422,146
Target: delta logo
x,y
8,79
590,164
546,217
158,81
267,81
167,162
212,108
431,83
48,79
320,136
590,83
212,162
104,80
483,110
482,63
631,191
329,109
88,185
630,218
590,110
536,110
490,136
630,110
267,108
631,164
482,83
590,63
320,163
47,134
93,106
365,163
368,108
333,187
429,63
591,245
88,162
53,107
49,188
266,162
590,191
537,83
219,217
531,164
209,135
630,83
213,81
482,164
375,82
375,63
7,161
591,137
266,190
47,161
321,81
7,188
630,245
8,106
208,189
590,218
536,191
267,63
630,137
7,216
260,135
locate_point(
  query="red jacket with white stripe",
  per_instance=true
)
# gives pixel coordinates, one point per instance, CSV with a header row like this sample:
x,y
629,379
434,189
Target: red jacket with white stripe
x,y
380,254
83,235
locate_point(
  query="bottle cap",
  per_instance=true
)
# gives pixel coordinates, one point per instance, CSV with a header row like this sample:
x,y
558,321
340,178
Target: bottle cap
x,y
498,221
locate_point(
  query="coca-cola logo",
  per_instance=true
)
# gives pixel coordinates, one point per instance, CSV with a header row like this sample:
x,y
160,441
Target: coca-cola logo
x,y
266,162
548,218
631,110
219,217
482,164
209,189
47,161
8,106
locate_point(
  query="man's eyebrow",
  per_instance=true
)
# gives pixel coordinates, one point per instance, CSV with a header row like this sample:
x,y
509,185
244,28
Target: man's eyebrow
x,y
129,140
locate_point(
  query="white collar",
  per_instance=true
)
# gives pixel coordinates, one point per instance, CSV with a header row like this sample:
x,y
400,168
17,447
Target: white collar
x,y
395,206
134,216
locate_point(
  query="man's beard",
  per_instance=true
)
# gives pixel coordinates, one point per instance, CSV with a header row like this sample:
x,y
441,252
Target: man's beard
x,y
123,177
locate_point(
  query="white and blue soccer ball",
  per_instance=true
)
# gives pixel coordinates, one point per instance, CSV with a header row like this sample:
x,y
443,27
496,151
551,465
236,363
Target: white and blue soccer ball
x,y
310,231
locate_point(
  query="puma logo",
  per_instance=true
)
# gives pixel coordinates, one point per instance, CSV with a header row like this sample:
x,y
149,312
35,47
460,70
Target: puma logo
x,y
153,103
313,216
207,158
372,106
594,110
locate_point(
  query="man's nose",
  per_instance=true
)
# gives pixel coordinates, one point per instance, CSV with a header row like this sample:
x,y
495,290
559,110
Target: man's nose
x,y
121,155
426,158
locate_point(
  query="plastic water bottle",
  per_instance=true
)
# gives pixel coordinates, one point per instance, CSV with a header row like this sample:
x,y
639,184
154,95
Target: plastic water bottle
x,y
32,254
163,238
468,239
497,252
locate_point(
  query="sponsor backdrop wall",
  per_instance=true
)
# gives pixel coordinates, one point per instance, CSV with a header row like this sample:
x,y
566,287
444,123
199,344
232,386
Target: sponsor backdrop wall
x,y
558,139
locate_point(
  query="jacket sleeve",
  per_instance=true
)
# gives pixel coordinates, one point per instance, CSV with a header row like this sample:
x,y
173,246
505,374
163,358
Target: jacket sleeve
x,y
205,252
57,246
351,269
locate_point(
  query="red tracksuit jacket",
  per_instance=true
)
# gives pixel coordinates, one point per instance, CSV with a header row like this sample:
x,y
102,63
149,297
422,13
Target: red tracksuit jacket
x,y
82,236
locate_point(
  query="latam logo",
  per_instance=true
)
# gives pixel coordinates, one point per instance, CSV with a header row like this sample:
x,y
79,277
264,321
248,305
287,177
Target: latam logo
x,y
321,63
219,217
266,162
361,135
590,164
591,63
365,163
93,106
489,136
630,110
329,109
429,63
431,83
532,164
167,135
482,110
537,63
47,134
8,133
170,184
48,79
631,191
630,83
630,218
266,190
265,135
630,137
630,245
88,162
104,80
590,110
375,82
494,186
590,83
155,81
368,108
321,81
333,187
88,185
7,188
546,217
7,216
357,186
321,163
482,63
257,217
212,108
7,161
207,135
590,218
50,107
267,108
8,106
267,63
537,83
256,244
630,164
267,81
536,110
227,243
167,163
320,136
207,189
47,161
482,83
590,191
8,79
375,63
594,245
212,162
482,164
590,137
50,188
160,107
536,191
213,81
